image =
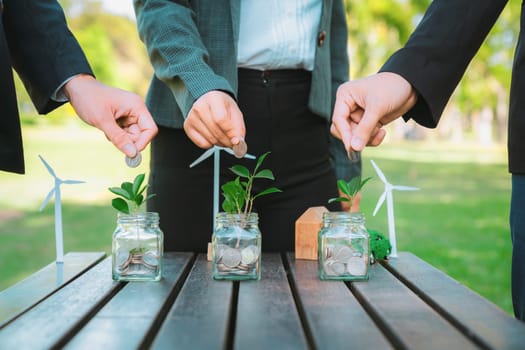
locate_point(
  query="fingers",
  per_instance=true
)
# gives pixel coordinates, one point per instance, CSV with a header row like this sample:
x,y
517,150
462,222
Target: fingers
x,y
215,119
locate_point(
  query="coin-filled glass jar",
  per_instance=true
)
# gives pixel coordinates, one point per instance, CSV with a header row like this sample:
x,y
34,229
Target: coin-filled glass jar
x,y
236,247
344,247
137,248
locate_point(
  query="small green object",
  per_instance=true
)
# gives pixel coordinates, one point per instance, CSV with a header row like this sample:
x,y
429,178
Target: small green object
x,y
237,193
349,189
131,197
380,246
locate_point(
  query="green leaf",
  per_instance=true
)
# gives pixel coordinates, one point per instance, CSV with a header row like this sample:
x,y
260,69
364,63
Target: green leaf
x,y
339,199
137,183
120,192
265,174
260,160
240,170
128,187
267,191
121,205
138,200
344,187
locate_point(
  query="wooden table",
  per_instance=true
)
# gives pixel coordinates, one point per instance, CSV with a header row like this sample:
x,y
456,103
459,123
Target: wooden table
x,y
405,304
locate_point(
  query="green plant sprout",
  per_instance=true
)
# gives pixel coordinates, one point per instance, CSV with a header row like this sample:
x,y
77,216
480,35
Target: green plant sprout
x,y
131,195
349,189
237,193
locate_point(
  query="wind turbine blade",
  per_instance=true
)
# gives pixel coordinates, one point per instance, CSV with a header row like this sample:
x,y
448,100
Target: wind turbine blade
x,y
405,188
379,203
48,198
71,182
378,171
205,155
51,171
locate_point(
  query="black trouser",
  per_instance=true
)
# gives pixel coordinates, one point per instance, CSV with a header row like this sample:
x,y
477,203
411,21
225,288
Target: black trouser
x,y
274,106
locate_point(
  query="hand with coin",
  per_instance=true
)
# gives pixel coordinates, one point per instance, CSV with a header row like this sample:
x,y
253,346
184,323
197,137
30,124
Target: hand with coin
x,y
363,106
215,119
121,115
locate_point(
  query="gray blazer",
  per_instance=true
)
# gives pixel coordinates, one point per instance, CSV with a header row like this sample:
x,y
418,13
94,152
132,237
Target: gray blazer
x,y
193,48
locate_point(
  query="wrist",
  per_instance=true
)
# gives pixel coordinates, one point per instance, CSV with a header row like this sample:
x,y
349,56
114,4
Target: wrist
x,y
76,83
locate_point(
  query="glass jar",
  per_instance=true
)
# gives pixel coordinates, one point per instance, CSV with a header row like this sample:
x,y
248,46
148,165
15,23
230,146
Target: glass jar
x,y
137,248
344,247
236,247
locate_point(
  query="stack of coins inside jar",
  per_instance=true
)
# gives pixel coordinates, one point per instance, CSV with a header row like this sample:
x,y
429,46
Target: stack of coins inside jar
x,y
239,261
341,260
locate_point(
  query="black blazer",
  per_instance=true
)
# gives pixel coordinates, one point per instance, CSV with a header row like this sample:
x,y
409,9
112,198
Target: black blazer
x,y
437,54
36,42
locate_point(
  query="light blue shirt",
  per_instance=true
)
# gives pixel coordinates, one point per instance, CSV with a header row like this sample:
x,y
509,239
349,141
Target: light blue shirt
x,y
277,34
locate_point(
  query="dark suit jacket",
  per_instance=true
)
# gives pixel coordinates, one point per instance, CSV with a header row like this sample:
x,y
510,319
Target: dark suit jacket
x,y
438,53
34,38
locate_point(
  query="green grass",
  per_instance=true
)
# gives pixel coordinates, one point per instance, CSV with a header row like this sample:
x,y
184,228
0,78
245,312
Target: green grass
x,y
457,221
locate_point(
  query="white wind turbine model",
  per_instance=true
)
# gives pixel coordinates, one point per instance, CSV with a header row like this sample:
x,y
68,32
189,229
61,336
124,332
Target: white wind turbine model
x,y
387,194
58,209
216,150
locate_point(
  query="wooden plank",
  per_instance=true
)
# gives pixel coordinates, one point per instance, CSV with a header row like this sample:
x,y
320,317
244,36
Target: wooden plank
x,y
28,292
335,318
44,325
200,316
266,313
476,315
124,321
406,319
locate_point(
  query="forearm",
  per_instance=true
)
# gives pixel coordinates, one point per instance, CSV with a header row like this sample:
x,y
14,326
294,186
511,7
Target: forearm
x,y
43,50
176,51
439,51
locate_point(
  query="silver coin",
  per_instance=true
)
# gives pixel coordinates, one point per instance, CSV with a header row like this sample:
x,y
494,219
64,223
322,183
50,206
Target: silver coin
x,y
231,257
354,156
356,266
151,259
249,255
240,149
342,253
135,161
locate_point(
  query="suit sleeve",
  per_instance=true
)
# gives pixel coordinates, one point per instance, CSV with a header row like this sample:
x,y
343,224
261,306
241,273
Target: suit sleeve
x,y
43,50
439,50
176,51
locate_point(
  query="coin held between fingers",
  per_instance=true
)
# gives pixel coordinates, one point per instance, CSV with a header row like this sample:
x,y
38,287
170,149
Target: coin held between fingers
x,y
240,149
353,156
135,161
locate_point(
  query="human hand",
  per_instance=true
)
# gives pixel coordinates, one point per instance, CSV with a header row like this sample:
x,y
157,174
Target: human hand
x,y
121,115
215,119
363,106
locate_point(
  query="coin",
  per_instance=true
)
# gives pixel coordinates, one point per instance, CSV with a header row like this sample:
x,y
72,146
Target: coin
x,y
342,253
240,149
354,156
249,255
356,266
231,257
135,161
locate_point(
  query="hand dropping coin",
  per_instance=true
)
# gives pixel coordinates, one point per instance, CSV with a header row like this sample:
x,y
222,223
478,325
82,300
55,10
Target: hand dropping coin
x,y
240,149
135,161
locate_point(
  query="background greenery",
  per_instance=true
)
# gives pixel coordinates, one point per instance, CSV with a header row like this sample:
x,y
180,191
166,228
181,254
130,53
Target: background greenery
x,y
458,221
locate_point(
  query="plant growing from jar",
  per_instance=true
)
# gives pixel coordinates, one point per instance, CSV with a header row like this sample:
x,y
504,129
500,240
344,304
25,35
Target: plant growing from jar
x,y
236,240
137,246
343,241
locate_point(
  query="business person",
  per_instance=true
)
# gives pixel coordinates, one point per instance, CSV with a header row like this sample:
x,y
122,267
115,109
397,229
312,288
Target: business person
x,y
227,70
417,82
36,42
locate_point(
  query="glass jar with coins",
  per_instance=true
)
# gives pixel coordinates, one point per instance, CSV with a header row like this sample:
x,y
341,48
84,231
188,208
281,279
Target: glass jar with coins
x,y
137,247
344,247
236,247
